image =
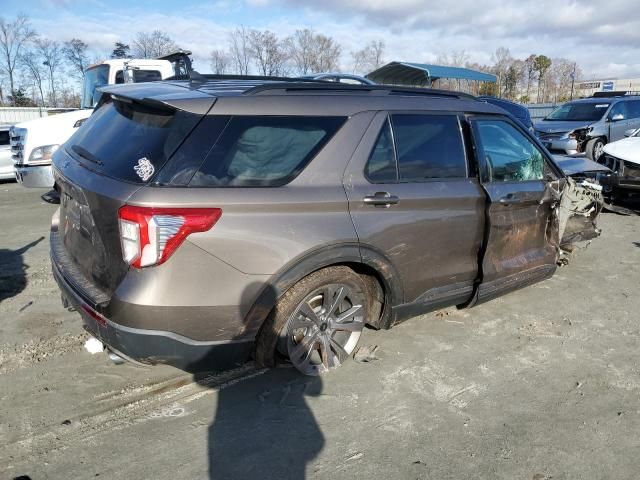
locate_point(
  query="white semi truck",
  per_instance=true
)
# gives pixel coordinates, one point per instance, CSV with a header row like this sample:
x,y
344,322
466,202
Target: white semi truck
x,y
34,142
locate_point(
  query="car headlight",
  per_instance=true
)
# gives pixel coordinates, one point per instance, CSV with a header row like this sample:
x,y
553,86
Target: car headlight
x,y
42,155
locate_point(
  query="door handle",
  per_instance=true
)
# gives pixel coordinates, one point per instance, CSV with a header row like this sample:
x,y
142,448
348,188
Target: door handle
x,y
381,199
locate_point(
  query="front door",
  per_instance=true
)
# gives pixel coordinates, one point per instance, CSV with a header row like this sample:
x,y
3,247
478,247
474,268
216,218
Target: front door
x,y
521,230
412,200
618,121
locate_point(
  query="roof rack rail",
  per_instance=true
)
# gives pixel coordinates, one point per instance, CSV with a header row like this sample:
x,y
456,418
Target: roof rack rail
x,y
300,86
618,93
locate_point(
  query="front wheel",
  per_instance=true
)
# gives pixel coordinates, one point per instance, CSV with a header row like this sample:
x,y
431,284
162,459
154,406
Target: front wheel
x,y
317,323
595,148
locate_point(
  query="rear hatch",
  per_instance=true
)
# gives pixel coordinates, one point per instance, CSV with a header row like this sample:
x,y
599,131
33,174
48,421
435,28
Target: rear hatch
x,y
120,148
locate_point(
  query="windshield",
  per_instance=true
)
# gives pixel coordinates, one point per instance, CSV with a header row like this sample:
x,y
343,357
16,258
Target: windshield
x,y
93,79
577,112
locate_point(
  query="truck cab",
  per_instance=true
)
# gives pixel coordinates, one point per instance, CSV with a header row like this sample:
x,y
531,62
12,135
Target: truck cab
x,y
34,142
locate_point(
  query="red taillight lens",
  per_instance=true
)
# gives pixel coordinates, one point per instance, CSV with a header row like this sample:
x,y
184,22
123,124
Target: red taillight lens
x,y
150,235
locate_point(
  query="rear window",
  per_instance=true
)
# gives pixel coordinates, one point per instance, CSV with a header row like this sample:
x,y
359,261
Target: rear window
x,y
129,141
264,151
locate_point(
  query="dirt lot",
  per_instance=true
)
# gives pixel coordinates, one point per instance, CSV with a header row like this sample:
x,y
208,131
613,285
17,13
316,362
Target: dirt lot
x,y
540,384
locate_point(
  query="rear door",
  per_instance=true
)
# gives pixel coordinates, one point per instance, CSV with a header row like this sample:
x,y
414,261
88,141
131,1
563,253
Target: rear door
x,y
413,201
519,246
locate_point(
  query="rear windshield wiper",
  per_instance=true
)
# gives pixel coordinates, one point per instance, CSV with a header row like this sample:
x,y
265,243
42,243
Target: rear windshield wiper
x,y
84,153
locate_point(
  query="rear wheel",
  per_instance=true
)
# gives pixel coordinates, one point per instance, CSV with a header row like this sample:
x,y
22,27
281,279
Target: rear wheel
x,y
595,148
317,323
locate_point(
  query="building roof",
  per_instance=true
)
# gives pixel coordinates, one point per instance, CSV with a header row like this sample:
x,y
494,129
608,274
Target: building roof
x,y
422,74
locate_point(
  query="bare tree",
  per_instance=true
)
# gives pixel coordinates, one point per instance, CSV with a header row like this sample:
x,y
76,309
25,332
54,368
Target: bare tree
x,y
529,73
51,54
502,59
311,52
459,58
300,47
32,62
219,61
240,50
153,44
268,52
327,54
75,51
369,58
14,36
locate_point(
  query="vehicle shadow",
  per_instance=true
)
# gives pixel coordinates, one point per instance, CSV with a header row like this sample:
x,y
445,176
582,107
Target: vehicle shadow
x,y
13,270
263,427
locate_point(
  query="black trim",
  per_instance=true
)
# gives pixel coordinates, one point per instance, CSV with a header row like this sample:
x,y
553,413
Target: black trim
x,y
151,346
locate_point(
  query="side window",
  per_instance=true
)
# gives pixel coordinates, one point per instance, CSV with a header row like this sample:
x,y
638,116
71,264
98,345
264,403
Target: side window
x,y
381,166
508,154
619,108
119,77
634,109
264,151
428,146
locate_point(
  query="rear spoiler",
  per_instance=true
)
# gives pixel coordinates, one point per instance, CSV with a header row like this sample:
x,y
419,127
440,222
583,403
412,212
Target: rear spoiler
x,y
162,95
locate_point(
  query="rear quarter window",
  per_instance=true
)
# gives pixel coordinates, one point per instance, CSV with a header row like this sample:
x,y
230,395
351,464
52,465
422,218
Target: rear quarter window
x,y
264,150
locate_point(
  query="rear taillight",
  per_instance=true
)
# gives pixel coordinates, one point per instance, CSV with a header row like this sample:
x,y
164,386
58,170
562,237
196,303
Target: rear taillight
x,y
150,235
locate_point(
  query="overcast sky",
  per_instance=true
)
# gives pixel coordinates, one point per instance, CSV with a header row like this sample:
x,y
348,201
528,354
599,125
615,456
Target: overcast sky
x,y
603,37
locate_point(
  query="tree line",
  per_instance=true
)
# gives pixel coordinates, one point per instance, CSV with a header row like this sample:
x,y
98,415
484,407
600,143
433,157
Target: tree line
x,y
37,71
533,79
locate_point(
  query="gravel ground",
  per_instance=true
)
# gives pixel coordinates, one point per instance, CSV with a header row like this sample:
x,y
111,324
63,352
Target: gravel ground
x,y
540,384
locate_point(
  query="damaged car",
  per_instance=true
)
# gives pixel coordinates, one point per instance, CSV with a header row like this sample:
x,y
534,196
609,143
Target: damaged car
x,y
588,124
623,157
205,223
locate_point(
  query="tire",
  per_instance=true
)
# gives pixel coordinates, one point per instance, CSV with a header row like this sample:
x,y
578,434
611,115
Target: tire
x,y
317,323
594,148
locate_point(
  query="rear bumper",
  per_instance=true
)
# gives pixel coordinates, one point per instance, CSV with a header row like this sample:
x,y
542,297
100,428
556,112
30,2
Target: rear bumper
x,y
40,176
151,346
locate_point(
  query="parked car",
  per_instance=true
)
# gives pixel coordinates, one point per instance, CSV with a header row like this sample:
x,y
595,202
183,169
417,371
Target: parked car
x,y
623,157
587,125
520,112
6,162
339,78
201,223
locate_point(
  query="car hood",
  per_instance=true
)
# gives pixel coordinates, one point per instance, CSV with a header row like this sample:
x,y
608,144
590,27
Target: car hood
x,y
551,126
573,165
627,149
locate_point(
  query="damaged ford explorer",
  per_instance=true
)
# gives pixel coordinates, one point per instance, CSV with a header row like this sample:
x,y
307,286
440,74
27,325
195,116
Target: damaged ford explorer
x,y
204,223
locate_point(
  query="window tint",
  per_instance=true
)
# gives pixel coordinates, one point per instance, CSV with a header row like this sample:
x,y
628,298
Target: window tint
x,y
381,166
129,141
264,151
4,137
509,155
428,146
119,77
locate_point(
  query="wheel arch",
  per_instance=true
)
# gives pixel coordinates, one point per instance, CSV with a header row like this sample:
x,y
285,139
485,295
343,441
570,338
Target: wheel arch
x,y
381,278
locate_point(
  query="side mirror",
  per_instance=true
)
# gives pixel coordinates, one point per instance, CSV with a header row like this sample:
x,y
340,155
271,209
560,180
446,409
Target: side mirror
x,y
617,117
630,132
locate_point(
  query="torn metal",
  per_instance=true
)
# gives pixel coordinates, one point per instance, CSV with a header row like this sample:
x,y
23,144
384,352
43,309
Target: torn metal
x,y
578,210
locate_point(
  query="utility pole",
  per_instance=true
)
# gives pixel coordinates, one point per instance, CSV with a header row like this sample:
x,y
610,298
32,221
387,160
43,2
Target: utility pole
x,y
573,79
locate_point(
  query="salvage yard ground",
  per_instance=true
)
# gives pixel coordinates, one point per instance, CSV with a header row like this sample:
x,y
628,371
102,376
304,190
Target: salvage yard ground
x,y
543,383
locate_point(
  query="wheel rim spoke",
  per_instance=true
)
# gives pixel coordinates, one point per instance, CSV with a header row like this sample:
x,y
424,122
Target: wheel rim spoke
x,y
333,297
329,360
349,313
341,353
306,310
304,346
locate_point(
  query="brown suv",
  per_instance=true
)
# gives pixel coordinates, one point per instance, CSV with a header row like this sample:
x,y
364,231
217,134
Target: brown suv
x,y
202,223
